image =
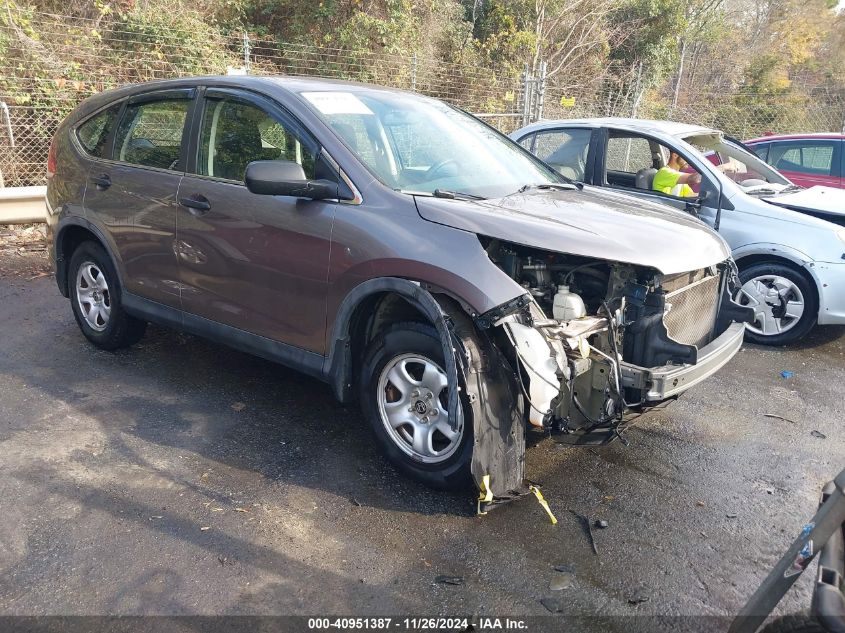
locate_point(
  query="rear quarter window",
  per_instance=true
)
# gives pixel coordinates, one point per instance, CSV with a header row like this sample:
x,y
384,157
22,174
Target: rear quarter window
x,y
94,133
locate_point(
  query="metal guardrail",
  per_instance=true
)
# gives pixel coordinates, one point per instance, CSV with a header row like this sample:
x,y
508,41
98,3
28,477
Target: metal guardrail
x,y
22,205
5,110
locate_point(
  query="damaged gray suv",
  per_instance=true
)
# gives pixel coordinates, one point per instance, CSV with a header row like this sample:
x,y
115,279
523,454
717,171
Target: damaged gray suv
x,y
395,247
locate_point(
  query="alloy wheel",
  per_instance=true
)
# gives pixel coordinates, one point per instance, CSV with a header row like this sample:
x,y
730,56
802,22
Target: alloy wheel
x,y
93,296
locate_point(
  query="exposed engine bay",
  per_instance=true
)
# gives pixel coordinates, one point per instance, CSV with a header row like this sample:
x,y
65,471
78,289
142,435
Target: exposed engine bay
x,y
596,341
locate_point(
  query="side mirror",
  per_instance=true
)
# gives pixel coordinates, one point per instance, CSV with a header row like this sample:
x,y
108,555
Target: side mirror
x,y
694,205
286,178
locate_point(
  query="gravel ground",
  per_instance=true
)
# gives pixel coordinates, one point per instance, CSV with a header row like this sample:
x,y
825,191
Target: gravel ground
x,y
180,477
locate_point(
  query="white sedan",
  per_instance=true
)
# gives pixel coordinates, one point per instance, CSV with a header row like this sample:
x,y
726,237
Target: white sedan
x,y
790,249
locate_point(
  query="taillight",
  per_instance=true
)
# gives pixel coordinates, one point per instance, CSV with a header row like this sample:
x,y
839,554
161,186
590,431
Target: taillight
x,y
51,159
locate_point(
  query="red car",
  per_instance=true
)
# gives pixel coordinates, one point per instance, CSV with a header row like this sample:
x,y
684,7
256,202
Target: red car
x,y
806,159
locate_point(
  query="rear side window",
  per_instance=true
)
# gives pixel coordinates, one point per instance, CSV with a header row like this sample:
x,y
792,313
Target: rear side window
x,y
150,133
814,158
95,132
235,133
565,150
629,154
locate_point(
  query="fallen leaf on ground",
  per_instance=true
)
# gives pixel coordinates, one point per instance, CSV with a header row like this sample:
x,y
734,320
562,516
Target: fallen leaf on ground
x,y
561,581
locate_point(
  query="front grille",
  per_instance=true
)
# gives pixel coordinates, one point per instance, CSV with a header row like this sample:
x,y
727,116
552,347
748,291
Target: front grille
x,y
691,309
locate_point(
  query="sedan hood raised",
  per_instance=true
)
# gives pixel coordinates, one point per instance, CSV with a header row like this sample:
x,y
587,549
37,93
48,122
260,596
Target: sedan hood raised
x,y
591,223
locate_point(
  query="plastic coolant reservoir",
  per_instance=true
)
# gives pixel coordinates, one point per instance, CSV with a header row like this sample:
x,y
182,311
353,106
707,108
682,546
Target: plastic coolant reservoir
x,y
541,367
568,305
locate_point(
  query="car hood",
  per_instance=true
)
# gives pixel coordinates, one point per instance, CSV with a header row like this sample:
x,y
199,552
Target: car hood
x,y
590,223
824,199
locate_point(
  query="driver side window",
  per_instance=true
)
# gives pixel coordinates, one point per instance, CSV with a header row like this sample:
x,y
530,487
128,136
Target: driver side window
x,y
637,162
235,133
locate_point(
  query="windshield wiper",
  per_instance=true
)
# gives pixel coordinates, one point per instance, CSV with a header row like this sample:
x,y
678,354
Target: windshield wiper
x,y
569,186
763,192
456,195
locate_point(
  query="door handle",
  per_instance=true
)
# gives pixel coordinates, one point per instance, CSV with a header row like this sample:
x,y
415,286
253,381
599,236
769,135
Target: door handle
x,y
196,204
103,181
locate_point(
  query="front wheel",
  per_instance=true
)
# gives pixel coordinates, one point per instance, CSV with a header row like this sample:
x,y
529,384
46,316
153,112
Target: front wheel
x,y
784,302
404,394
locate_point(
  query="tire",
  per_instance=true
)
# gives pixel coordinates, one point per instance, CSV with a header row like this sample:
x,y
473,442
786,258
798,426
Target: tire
x,y
409,346
785,302
794,623
95,299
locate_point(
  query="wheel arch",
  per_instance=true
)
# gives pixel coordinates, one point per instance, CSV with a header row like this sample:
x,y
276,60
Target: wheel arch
x,y
369,308
68,237
781,258
491,389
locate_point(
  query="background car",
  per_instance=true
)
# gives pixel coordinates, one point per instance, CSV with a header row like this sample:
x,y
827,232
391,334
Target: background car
x,y
806,159
790,264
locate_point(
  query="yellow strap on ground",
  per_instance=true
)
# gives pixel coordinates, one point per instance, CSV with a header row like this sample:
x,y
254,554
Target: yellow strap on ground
x,y
543,503
486,495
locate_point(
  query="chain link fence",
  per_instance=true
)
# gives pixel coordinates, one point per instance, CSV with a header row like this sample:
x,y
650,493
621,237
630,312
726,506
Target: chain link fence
x,y
742,115
49,63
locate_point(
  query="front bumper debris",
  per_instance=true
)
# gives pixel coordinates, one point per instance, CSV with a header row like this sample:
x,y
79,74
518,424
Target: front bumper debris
x,y
671,380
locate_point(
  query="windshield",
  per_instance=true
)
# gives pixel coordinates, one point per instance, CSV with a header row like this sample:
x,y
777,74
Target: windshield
x,y
749,172
420,145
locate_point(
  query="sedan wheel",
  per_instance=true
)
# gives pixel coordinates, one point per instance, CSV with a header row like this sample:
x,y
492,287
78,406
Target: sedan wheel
x,y
783,299
778,304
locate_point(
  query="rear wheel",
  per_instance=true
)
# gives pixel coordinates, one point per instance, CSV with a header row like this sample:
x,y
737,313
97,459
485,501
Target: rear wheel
x,y
404,394
784,303
95,299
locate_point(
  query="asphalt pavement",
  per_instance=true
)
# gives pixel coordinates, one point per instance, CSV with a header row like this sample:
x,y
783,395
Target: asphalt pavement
x,y
181,477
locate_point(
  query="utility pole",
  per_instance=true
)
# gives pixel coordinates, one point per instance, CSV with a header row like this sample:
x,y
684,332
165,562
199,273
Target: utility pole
x,y
414,73
246,52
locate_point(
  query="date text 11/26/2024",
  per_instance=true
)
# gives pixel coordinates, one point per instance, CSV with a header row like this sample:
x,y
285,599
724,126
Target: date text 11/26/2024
x,y
418,624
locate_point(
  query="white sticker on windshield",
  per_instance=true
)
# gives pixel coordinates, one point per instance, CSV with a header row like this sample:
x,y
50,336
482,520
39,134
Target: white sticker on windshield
x,y
337,103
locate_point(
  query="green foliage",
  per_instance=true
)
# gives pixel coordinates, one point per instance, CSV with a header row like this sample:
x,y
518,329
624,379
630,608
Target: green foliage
x,y
160,43
611,54
655,26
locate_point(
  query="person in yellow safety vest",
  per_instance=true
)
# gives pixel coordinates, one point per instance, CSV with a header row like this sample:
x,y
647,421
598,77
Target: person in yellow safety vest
x,y
673,180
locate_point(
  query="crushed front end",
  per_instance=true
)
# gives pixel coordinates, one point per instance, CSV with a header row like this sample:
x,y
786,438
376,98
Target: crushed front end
x,y
599,342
